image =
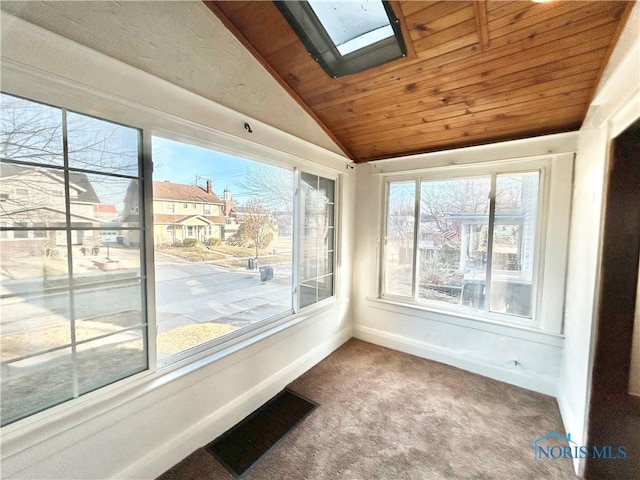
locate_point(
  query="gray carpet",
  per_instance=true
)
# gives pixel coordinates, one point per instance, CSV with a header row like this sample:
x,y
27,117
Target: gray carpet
x,y
388,415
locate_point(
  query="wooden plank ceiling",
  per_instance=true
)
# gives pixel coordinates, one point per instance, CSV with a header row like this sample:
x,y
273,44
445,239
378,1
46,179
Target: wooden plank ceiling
x,y
475,73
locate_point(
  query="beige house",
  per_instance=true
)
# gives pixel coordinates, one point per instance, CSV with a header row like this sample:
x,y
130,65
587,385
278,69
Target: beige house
x,y
32,198
185,211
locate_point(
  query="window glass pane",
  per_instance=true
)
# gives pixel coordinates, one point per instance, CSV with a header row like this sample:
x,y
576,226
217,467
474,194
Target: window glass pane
x,y
398,251
35,384
53,219
353,25
454,216
101,146
36,326
228,264
31,132
108,359
325,287
308,293
514,243
316,239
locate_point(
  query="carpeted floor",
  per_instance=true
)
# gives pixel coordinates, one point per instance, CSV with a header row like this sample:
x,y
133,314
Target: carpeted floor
x,y
388,415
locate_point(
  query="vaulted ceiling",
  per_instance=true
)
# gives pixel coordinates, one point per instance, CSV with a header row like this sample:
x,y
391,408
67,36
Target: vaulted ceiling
x,y
475,72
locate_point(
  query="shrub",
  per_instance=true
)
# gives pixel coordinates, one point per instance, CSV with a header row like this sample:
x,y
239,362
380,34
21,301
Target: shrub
x,y
213,242
190,242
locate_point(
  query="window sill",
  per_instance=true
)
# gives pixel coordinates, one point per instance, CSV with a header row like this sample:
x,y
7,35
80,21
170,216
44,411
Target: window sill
x,y
526,332
40,427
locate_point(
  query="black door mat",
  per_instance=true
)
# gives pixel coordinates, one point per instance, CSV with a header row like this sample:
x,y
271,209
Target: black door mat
x,y
243,446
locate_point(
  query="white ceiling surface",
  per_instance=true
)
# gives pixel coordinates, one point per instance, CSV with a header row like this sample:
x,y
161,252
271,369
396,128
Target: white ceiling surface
x,y
181,42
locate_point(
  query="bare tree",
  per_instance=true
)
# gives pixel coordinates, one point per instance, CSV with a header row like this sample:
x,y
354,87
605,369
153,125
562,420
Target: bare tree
x,y
274,185
256,228
401,221
36,183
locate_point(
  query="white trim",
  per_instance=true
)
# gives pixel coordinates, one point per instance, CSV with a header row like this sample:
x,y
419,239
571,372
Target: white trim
x,y
627,114
536,147
171,452
545,384
523,332
569,417
551,237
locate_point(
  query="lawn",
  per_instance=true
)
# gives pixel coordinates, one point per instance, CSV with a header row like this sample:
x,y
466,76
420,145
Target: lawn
x,y
225,256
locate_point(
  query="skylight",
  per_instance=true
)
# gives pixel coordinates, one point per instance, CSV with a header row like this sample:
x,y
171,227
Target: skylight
x,y
353,25
346,37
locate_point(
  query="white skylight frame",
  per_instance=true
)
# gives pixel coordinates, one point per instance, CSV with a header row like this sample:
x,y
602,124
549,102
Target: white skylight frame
x,y
370,45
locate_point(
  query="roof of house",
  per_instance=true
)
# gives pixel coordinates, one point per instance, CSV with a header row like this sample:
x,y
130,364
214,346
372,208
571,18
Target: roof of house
x,y
104,208
183,193
79,180
163,218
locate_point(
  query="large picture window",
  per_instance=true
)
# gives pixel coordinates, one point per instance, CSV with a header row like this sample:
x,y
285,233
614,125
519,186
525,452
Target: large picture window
x,y
68,250
230,268
237,245
464,243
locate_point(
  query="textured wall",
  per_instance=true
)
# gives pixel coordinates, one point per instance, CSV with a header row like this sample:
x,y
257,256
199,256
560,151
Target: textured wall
x,y
181,42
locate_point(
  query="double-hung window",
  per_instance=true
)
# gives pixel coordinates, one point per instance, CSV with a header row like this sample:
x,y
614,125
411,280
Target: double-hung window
x,y
470,241
75,246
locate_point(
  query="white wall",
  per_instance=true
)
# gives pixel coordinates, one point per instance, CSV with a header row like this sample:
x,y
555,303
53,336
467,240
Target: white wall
x,y
141,426
616,105
526,357
181,42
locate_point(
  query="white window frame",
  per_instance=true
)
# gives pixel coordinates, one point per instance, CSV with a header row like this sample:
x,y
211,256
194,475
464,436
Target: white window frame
x,y
555,186
215,349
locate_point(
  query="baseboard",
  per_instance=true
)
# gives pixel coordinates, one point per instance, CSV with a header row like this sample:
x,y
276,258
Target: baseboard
x,y
570,420
538,383
173,451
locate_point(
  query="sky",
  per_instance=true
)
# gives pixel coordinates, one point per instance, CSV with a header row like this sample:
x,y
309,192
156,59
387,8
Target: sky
x,y
180,163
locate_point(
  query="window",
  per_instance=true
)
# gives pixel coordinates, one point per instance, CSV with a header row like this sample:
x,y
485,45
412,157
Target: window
x,y
317,239
244,276
464,243
62,336
346,37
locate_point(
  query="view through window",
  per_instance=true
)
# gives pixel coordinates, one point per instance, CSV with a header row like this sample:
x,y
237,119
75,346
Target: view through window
x,y
68,248
73,291
223,236
465,254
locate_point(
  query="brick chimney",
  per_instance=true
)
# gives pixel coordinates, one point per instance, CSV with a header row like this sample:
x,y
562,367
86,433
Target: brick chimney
x,y
209,188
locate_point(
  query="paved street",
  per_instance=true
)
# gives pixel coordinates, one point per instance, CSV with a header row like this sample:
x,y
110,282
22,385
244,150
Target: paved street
x,y
196,293
186,293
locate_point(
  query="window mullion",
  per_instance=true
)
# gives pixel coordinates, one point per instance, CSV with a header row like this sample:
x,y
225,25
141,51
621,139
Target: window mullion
x,y
148,292
490,229
416,232
67,202
296,233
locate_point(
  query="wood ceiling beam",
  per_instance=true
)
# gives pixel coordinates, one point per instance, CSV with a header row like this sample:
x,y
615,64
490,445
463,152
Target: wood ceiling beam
x,y
480,9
